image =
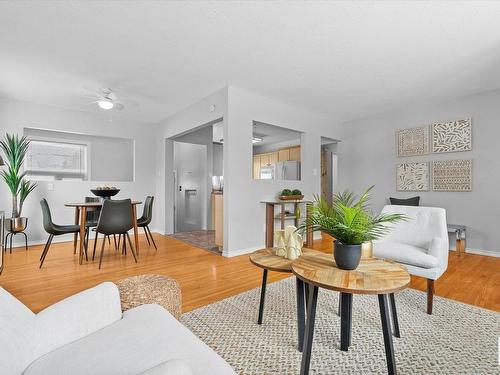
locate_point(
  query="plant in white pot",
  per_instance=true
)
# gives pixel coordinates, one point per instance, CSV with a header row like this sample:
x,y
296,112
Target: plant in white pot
x,y
14,149
350,222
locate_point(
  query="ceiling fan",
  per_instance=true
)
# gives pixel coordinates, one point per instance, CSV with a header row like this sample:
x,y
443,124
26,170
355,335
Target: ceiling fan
x,y
106,100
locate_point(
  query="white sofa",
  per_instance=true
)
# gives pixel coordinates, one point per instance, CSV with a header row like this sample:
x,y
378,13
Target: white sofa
x,y
88,334
420,243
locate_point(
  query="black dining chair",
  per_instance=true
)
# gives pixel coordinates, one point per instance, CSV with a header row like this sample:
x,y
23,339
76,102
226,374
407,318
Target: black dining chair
x,y
146,218
53,229
91,221
115,218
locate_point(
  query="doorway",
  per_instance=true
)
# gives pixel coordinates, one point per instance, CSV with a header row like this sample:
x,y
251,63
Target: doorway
x,y
328,168
189,181
197,191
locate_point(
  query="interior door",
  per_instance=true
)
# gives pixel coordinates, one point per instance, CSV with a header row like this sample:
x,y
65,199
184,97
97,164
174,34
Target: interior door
x,y
190,164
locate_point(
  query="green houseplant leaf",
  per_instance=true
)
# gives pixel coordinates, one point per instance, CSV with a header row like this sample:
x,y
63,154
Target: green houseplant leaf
x,y
348,219
14,149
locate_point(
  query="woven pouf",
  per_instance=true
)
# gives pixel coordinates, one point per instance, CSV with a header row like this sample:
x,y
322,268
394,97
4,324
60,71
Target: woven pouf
x,y
144,289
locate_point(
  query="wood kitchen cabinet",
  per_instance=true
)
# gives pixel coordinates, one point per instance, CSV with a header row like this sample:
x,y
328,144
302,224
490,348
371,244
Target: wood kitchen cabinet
x,y
273,157
256,167
294,154
284,154
264,160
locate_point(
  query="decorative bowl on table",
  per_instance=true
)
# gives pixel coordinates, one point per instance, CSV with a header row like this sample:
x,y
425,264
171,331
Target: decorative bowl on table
x,y
291,195
105,192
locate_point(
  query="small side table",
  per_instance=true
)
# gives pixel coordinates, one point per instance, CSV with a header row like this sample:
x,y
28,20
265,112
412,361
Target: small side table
x,y
270,218
373,276
460,236
266,260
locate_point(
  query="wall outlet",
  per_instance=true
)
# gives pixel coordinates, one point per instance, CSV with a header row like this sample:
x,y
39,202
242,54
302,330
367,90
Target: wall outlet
x,y
50,186
315,172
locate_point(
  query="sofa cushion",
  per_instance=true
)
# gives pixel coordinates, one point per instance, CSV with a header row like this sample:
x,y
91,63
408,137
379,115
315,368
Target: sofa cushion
x,y
413,201
171,367
16,334
75,317
403,253
146,336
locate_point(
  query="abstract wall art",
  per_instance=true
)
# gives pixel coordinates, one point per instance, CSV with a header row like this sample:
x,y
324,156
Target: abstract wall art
x,y
452,136
412,141
412,176
452,175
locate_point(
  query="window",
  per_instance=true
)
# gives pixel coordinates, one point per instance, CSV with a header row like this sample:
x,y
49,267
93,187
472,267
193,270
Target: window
x,y
52,160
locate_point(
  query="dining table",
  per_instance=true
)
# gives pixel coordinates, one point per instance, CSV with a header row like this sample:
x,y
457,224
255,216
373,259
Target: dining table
x,y
81,210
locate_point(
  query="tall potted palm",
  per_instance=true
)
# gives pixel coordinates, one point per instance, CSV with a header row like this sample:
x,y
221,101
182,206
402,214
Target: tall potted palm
x,y
350,222
14,149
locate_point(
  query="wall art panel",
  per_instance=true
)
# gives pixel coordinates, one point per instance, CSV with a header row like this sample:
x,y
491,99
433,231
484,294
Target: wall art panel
x,y
412,177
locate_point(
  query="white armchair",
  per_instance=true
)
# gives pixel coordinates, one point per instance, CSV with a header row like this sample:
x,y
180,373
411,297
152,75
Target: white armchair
x,y
88,334
419,243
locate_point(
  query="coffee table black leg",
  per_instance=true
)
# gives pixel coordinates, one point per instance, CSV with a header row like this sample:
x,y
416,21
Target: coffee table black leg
x,y
262,296
386,329
300,313
340,306
395,323
308,339
345,320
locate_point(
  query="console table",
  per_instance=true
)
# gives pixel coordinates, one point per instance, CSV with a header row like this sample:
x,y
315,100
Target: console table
x,y
460,236
270,219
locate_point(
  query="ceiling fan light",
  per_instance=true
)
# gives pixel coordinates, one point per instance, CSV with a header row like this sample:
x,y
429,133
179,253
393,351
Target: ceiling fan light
x,y
256,140
105,104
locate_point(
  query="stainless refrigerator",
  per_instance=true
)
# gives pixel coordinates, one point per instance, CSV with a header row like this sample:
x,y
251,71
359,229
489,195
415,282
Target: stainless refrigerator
x,y
287,170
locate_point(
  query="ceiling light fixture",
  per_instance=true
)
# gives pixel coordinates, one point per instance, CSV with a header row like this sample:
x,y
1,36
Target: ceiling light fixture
x,y
105,104
256,140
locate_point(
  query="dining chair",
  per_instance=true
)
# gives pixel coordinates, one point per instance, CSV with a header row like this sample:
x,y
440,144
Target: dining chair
x,y
54,229
91,222
146,218
115,218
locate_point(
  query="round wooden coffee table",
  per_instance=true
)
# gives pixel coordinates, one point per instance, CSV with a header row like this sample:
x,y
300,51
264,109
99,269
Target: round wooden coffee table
x,y
266,260
373,276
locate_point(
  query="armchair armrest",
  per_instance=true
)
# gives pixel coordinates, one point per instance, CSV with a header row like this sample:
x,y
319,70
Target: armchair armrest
x,y
438,248
76,316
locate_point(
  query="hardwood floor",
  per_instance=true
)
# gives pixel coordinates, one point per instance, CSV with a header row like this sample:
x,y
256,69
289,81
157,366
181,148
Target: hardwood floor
x,y
205,277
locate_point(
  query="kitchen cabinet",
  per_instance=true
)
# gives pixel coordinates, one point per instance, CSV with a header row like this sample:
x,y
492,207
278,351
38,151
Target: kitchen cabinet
x,y
264,160
219,219
294,154
273,157
256,167
284,154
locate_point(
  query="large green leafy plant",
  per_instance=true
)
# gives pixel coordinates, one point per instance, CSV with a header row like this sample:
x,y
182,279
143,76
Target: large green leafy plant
x,y
348,219
15,148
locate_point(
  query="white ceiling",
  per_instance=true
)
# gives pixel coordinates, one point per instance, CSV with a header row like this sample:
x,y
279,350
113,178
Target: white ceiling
x,y
347,59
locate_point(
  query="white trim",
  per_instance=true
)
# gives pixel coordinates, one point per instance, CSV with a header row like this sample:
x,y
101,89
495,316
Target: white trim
x,y
235,253
487,253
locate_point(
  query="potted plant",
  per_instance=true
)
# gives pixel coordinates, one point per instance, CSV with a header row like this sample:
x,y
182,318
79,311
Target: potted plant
x,y
14,149
350,222
287,195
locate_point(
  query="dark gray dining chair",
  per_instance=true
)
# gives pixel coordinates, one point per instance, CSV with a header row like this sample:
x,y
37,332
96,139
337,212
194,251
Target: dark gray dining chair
x,y
54,229
146,218
116,218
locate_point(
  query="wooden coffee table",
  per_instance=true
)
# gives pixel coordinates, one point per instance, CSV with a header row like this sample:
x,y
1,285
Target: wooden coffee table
x,y
266,260
373,276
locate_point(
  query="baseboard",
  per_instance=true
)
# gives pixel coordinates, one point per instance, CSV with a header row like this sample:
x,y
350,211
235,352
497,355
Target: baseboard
x,y
249,250
487,253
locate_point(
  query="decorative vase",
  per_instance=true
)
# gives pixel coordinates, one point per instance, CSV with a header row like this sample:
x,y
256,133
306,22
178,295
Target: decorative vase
x,y
16,224
366,250
347,257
